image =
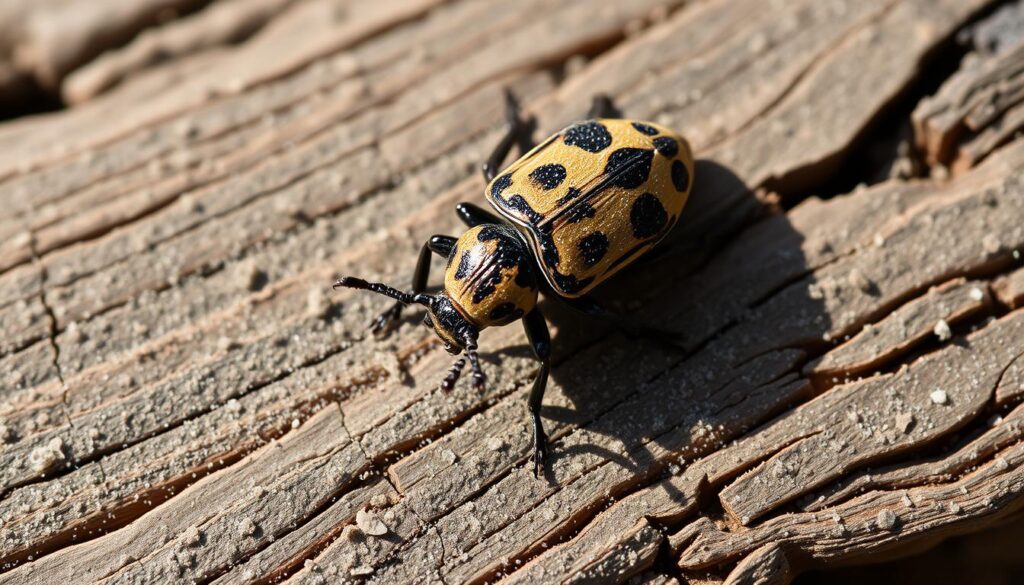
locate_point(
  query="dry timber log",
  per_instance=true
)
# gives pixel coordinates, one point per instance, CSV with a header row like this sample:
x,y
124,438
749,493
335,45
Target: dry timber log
x,y
184,398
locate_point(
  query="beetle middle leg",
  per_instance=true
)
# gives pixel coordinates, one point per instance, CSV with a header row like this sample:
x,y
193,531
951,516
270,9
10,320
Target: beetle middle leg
x,y
517,131
440,245
540,341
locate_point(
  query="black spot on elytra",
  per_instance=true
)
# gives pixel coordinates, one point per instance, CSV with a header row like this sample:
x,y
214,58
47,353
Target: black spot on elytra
x,y
463,268
505,313
548,250
648,216
680,176
629,167
645,129
579,212
590,136
517,203
666,146
569,284
499,185
548,177
572,194
593,247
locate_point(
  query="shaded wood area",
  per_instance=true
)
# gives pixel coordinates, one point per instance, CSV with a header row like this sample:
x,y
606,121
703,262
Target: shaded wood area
x,y
184,398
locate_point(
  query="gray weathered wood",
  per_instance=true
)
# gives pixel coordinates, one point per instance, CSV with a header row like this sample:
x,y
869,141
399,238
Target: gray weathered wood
x,y
184,398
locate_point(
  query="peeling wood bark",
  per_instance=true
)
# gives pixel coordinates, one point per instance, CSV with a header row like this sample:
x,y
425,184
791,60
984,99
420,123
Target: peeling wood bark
x,y
184,398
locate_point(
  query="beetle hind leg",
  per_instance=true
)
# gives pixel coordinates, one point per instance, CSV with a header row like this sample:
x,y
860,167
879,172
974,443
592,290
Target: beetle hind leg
x,y
517,131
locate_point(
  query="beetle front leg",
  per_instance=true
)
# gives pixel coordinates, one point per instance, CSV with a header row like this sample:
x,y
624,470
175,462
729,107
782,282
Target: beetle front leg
x,y
540,341
440,245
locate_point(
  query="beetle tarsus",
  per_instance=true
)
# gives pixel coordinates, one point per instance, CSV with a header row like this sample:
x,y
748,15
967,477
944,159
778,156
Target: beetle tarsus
x,y
350,282
540,451
479,379
453,375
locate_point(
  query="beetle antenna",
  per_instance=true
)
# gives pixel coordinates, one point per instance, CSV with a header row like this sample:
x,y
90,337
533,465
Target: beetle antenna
x,y
453,375
474,362
383,289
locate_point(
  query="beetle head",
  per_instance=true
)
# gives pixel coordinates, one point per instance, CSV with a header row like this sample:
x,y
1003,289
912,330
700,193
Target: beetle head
x,y
457,332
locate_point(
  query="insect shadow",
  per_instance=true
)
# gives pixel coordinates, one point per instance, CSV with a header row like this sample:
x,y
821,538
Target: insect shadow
x,y
729,285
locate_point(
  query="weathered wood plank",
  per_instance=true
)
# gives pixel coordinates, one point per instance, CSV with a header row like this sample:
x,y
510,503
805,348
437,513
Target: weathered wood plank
x,y
882,416
928,315
220,24
273,488
186,361
52,38
1004,432
288,554
271,54
878,521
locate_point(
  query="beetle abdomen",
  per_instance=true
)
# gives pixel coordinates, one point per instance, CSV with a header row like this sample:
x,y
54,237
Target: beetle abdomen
x,y
594,197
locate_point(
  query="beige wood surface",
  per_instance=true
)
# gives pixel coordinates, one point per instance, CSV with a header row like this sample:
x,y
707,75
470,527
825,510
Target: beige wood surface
x,y
183,396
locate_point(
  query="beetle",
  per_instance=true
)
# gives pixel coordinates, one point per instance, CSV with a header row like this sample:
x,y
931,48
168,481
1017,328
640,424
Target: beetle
x,y
572,212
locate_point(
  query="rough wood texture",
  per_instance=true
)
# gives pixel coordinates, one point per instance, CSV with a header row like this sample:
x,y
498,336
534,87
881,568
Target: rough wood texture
x,y
981,107
184,398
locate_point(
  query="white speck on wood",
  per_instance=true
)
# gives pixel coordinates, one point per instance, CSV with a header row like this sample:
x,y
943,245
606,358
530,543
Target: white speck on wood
x,y
886,519
370,523
48,456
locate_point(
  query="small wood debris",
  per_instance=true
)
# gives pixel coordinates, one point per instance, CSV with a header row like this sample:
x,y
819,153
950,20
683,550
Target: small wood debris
x,y
370,523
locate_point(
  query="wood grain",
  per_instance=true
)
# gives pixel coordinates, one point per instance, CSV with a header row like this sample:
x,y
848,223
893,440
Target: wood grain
x,y
182,396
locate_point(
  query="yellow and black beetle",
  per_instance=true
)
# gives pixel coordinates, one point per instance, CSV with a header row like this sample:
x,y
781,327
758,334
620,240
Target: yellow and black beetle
x,y
574,210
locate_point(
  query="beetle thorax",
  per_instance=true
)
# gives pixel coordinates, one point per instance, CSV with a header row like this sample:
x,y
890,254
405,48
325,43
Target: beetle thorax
x,y
490,277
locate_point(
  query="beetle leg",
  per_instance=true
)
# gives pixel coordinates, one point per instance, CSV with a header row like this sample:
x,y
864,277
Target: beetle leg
x,y
602,106
474,215
517,131
540,340
440,245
